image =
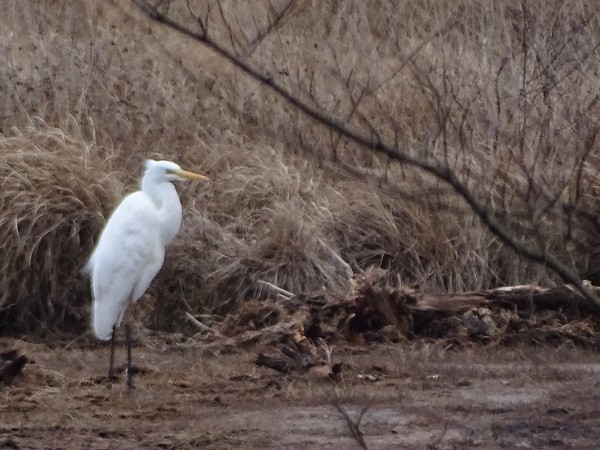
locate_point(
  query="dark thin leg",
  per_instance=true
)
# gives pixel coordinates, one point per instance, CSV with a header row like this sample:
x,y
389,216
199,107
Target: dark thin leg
x,y
129,367
111,369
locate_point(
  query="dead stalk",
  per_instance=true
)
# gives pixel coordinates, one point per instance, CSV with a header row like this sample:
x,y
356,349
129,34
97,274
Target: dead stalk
x,y
286,294
202,326
353,426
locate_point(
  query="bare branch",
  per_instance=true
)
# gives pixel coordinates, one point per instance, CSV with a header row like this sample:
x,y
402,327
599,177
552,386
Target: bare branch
x,y
437,440
337,258
232,38
202,22
202,326
288,295
353,426
374,143
274,23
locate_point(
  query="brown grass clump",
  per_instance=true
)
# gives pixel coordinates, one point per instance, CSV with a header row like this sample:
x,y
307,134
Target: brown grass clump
x,y
259,220
53,200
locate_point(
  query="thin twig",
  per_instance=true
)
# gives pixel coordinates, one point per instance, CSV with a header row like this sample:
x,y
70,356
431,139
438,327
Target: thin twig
x,y
337,258
274,24
202,326
357,434
287,294
374,143
435,443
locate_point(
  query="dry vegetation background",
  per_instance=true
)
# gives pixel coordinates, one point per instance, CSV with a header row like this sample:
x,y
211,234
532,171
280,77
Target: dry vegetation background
x,y
503,93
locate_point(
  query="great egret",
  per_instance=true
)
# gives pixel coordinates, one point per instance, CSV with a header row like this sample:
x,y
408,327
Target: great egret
x,y
131,249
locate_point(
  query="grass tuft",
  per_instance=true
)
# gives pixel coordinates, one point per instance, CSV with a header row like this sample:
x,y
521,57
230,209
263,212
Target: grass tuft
x,y
54,198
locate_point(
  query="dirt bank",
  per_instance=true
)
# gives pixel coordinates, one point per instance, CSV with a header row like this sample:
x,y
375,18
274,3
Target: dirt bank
x,y
412,396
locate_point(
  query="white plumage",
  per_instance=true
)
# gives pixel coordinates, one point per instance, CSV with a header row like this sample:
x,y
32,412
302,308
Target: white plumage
x,y
131,248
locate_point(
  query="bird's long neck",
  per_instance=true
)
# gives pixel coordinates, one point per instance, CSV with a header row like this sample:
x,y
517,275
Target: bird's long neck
x,y
167,202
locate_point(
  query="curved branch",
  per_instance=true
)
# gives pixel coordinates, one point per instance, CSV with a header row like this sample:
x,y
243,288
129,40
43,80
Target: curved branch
x,y
372,142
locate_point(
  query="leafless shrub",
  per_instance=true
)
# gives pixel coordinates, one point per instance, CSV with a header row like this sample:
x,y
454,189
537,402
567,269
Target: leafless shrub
x,y
506,177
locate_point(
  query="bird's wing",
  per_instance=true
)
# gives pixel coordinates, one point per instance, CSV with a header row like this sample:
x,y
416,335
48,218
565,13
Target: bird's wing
x,y
128,250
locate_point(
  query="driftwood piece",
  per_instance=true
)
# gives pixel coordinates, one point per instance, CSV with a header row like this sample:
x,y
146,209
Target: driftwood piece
x,y
523,298
382,309
494,314
11,365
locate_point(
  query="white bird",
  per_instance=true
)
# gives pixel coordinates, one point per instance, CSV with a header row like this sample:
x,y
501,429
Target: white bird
x,y
131,249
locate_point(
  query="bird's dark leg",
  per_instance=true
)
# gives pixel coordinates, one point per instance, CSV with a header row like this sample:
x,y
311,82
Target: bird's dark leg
x,y
111,363
129,366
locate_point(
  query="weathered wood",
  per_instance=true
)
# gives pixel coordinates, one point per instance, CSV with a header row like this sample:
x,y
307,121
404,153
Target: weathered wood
x,y
381,309
380,302
526,298
11,365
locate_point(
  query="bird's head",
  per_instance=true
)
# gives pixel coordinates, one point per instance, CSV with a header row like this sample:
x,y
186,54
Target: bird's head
x,y
160,171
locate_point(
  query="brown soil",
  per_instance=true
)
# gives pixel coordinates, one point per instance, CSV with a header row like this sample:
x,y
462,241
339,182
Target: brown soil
x,y
415,396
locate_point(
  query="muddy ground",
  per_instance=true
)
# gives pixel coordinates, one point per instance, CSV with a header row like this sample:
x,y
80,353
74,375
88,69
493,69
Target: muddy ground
x,y
413,396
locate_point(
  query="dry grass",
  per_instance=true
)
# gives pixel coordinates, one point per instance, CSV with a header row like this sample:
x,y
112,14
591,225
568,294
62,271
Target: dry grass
x,y
53,201
454,84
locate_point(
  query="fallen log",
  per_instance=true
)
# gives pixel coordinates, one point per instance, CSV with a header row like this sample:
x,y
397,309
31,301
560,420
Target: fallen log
x,y
524,298
380,302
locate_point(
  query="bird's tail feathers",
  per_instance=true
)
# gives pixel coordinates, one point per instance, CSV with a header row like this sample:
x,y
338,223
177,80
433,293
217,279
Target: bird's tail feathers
x,y
104,319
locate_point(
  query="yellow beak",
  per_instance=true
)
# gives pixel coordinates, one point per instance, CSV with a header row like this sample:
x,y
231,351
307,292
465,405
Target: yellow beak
x,y
191,176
